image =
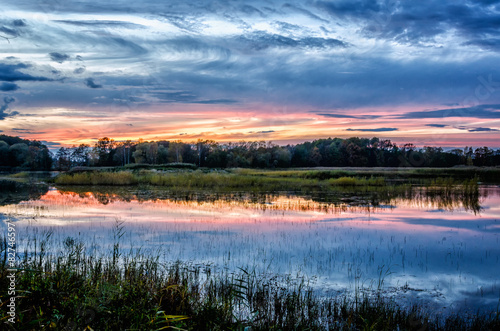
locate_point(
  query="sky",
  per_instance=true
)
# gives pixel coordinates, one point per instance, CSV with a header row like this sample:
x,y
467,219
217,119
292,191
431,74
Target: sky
x,y
425,72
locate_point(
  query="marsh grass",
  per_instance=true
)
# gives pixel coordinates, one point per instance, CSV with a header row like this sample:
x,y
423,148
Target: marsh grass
x,y
211,179
97,178
485,174
184,177
76,289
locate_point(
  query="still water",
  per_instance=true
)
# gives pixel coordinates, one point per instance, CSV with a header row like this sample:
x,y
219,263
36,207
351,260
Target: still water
x,y
441,252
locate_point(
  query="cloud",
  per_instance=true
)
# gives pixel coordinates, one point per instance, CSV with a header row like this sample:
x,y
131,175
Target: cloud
x,y
5,107
305,12
285,26
90,83
480,111
349,116
216,101
419,22
338,115
11,73
100,23
261,40
11,29
374,130
8,31
27,131
437,125
78,71
488,43
19,22
59,57
482,130
187,97
260,56
7,87
356,9
183,22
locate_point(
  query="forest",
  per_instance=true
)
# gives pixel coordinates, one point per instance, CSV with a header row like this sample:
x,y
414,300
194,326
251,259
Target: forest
x,y
22,154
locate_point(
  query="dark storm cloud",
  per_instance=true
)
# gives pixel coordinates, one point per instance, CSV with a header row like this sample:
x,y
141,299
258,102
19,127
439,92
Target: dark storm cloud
x,y
90,83
58,57
480,111
11,73
7,87
374,130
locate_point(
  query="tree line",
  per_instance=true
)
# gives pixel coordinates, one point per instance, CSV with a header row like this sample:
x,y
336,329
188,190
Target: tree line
x,y
331,152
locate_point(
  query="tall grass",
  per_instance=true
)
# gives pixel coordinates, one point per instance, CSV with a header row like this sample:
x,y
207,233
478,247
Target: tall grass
x,y
77,290
485,174
203,180
97,178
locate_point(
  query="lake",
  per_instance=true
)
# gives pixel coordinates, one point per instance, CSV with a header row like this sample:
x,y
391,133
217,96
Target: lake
x,y
438,250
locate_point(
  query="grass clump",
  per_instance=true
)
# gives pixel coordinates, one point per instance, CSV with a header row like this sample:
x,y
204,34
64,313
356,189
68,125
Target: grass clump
x,y
22,174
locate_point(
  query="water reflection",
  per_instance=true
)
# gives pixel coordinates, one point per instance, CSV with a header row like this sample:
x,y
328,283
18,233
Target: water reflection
x,y
446,198
441,247
12,192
